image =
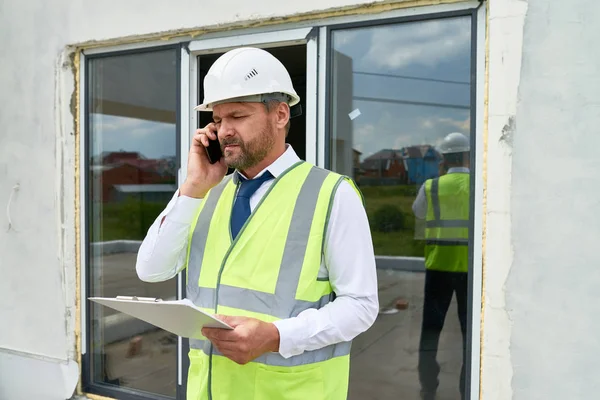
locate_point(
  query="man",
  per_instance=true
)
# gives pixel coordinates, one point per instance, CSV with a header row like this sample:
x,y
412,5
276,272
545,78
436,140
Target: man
x,y
444,203
280,250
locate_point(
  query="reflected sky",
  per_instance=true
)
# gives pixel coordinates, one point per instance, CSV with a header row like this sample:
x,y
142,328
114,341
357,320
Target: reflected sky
x,y
384,59
132,105
150,138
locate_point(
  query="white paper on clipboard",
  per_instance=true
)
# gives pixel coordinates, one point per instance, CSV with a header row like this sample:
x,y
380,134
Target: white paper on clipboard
x,y
180,317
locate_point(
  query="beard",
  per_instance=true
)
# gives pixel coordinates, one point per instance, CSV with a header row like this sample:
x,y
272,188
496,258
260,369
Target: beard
x,y
249,153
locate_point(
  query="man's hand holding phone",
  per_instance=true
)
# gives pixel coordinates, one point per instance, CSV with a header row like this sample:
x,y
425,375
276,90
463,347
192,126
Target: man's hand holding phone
x,y
202,175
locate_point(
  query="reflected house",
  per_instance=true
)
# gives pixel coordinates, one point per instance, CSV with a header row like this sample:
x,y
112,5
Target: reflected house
x,y
421,163
384,167
119,175
114,157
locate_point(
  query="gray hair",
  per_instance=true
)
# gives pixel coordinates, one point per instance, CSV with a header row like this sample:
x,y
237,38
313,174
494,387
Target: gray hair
x,y
272,100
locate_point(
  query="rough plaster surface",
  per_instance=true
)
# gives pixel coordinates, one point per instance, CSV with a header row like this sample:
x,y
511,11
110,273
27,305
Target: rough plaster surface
x,y
540,334
506,21
552,287
45,379
31,253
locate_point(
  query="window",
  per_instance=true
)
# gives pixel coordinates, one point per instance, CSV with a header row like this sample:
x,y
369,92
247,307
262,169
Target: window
x,y
396,91
133,158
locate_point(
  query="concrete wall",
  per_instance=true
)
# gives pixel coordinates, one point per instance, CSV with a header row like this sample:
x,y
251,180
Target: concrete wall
x,y
541,325
552,287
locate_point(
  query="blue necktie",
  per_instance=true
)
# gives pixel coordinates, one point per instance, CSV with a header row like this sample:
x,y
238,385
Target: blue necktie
x,y
241,207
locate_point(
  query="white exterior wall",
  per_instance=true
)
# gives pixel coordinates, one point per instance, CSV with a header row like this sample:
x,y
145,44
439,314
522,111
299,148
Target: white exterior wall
x,y
541,325
539,338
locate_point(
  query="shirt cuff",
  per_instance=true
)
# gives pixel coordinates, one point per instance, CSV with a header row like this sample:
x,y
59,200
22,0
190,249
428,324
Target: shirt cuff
x,y
184,209
289,332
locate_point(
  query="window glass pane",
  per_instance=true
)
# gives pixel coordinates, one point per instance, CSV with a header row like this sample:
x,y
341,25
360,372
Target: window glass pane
x,y
398,91
131,177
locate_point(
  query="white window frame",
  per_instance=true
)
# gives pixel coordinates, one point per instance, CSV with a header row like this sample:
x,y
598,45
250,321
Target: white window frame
x,y
82,205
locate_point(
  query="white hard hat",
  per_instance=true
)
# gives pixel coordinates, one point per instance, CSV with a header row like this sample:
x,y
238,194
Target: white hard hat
x,y
246,74
455,143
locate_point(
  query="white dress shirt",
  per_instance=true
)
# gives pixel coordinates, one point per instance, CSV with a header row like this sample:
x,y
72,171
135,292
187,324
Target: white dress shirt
x,y
419,206
348,261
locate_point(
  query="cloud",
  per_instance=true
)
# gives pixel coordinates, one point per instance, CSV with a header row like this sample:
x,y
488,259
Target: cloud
x,y
441,126
384,134
110,124
107,123
407,139
150,138
343,37
387,127
365,131
463,126
385,131
151,129
427,123
424,43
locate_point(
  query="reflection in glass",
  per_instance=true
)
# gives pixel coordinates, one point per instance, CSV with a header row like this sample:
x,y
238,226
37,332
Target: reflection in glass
x,y
131,177
398,91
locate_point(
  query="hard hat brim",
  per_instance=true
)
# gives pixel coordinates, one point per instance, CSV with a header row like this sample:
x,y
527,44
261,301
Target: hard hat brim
x,y
456,150
208,105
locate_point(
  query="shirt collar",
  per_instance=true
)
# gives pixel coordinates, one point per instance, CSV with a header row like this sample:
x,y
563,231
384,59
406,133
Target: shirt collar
x,y
278,167
458,170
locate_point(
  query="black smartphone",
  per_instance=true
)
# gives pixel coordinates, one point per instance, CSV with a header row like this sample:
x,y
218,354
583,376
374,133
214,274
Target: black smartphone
x,y
214,151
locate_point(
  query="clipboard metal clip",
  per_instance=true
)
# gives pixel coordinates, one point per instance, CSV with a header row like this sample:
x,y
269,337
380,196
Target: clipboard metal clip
x,y
136,298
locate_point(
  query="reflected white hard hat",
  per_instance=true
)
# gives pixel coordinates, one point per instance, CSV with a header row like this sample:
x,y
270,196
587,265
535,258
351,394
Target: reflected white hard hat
x,y
455,143
247,74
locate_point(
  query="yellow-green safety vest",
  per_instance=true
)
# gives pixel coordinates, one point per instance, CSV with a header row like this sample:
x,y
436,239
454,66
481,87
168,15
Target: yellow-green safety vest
x,y
447,223
269,272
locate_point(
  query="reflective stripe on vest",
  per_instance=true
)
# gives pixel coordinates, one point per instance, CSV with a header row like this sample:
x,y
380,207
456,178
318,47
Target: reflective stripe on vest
x,y
196,251
288,296
275,359
447,223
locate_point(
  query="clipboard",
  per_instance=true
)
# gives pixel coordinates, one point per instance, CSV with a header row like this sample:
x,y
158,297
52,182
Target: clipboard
x,y
180,317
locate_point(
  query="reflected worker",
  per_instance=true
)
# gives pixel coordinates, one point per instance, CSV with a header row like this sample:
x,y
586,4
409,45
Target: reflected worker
x,y
280,250
444,203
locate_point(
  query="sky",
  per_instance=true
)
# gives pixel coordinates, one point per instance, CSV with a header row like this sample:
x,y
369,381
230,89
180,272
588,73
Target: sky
x,y
433,51
437,49
113,133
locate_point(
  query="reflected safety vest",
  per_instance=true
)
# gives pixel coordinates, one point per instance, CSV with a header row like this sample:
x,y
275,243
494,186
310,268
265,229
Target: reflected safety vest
x,y
447,223
270,272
